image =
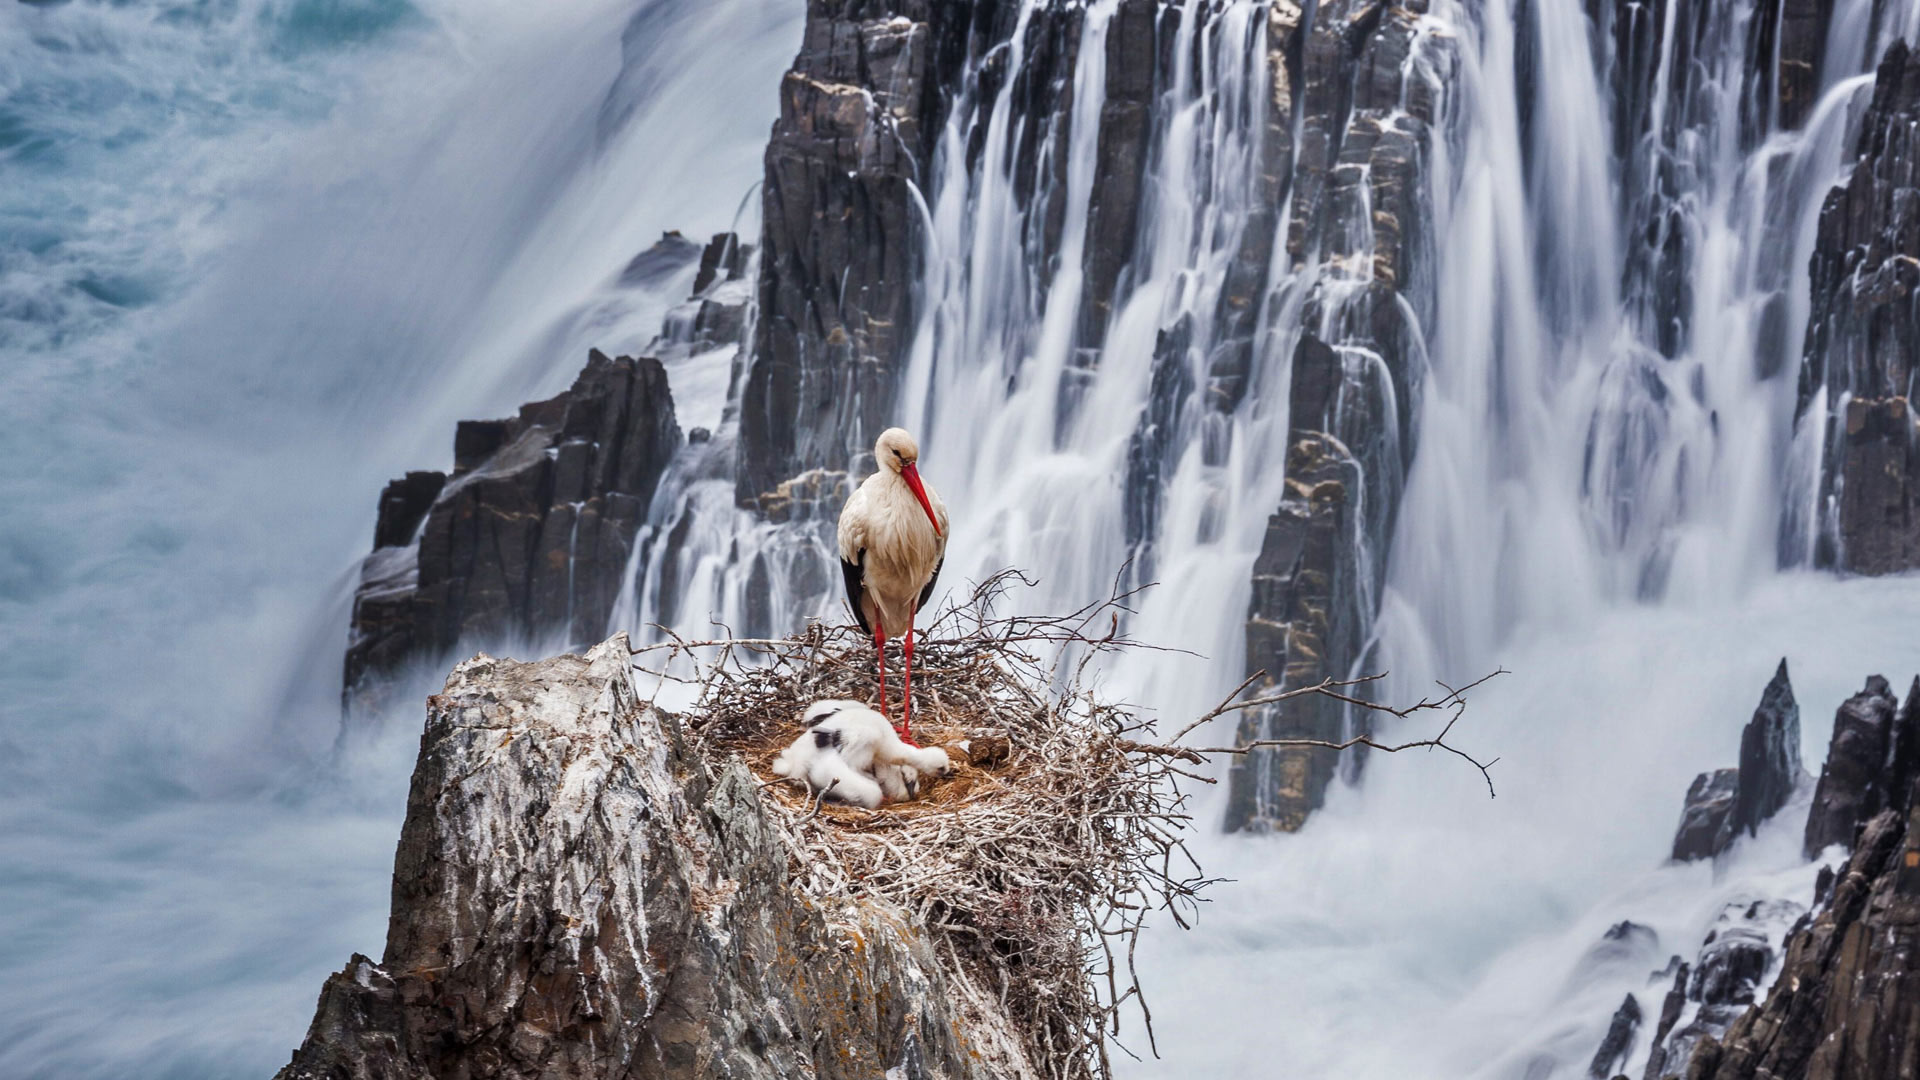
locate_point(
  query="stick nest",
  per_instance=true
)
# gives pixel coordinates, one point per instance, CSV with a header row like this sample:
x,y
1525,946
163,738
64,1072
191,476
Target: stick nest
x,y
1036,863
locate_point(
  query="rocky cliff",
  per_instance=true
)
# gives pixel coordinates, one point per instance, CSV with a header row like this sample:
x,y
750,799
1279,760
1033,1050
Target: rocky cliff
x,y
1846,1001
859,112
530,535
1347,130
576,893
1863,336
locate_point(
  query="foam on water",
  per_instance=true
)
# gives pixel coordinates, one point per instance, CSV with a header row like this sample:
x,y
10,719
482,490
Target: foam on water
x,y
261,255
1416,928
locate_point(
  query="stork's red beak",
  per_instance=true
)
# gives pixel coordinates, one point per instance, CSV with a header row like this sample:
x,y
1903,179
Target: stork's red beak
x,y
910,472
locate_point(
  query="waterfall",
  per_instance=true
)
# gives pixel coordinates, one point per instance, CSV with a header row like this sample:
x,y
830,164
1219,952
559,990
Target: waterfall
x,y
1569,352
1538,267
256,258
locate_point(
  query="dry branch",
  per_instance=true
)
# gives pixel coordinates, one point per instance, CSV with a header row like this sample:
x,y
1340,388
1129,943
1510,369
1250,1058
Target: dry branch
x,y
1037,864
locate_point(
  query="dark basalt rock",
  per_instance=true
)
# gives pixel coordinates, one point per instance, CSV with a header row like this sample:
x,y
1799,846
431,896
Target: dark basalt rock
x,y
577,894
1769,755
1303,619
1617,1045
1670,1009
1870,764
1847,999
859,113
1863,336
404,505
1721,983
1344,139
1727,802
1704,830
531,534
1126,123
1305,622
529,538
1150,450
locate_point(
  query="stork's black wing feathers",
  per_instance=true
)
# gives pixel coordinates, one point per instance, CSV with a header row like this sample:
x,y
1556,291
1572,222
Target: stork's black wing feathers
x,y
921,604
855,574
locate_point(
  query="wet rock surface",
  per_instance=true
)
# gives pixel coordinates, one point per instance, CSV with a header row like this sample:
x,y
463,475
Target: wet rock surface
x,y
1617,1046
1845,993
1345,136
1708,995
859,112
1704,820
1863,336
530,534
1303,617
1769,755
529,538
1847,1000
1723,804
1870,764
577,894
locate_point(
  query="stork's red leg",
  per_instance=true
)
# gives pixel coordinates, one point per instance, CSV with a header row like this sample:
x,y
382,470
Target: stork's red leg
x,y
906,695
880,657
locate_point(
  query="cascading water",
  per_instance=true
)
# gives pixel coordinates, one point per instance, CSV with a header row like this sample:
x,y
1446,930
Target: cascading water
x,y
418,214
1604,469
255,258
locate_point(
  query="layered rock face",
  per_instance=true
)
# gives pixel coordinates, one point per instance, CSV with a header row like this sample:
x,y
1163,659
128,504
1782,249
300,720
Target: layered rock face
x,y
1727,802
1846,1002
530,536
859,112
1364,117
577,894
1863,336
1874,750
1305,621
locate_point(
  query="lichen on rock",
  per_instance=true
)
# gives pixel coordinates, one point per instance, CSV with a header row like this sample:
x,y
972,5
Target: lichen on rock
x,y
577,894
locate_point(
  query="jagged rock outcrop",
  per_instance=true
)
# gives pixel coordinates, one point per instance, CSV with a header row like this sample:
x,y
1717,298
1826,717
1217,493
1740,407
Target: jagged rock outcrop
x,y
1707,996
577,894
530,536
1863,336
1303,617
1671,1007
1704,819
1845,998
859,113
1870,759
1617,1045
1769,755
1727,802
1346,133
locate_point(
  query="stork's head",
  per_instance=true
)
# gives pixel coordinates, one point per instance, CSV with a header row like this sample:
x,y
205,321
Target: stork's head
x,y
896,450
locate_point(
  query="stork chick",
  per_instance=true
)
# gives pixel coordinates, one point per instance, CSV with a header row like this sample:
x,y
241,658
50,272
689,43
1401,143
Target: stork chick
x,y
853,752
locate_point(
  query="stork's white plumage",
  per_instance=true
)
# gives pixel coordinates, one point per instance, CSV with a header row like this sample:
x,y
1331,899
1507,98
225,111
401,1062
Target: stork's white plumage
x,y
893,538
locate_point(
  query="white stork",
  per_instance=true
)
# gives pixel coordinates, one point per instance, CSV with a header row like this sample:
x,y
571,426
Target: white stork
x,y
890,553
